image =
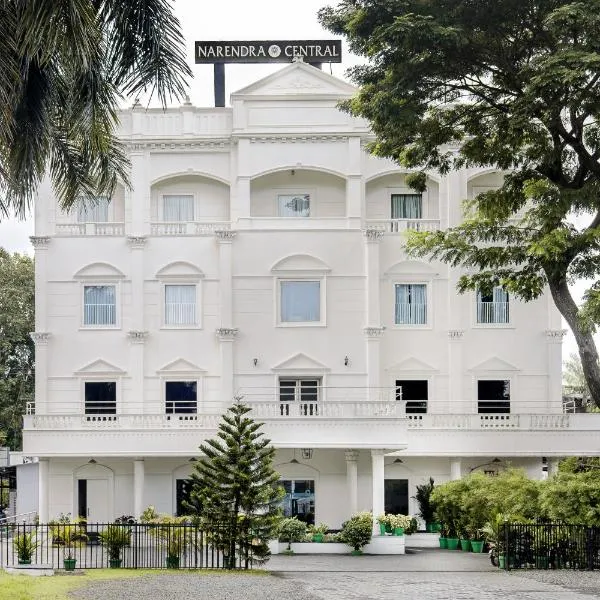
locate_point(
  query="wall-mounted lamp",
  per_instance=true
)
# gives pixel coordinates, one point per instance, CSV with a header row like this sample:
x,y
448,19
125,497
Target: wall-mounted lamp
x,y
92,461
346,361
293,172
398,461
307,453
255,361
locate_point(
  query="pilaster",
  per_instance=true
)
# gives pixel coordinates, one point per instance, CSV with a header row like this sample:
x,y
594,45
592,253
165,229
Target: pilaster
x,y
455,469
378,474
135,403
226,337
137,198
41,340
352,480
43,483
373,337
225,239
456,373
138,487
554,341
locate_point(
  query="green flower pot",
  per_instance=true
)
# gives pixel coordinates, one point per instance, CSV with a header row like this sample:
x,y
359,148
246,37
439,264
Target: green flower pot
x,y
399,531
318,538
69,564
477,546
114,563
502,561
381,528
541,562
465,545
356,553
452,543
443,543
172,562
432,527
24,562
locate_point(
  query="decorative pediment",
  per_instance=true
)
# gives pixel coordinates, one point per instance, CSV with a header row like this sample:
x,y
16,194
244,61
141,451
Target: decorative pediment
x,y
301,363
411,364
100,270
411,267
300,262
180,270
100,367
181,366
298,79
494,364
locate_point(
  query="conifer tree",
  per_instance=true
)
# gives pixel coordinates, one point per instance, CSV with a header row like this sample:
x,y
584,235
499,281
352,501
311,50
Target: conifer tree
x,y
234,489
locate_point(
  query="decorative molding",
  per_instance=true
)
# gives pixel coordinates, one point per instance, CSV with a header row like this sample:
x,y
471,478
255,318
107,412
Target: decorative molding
x,y
137,241
227,334
298,139
455,335
556,335
40,242
373,235
351,455
374,332
40,338
180,145
225,235
137,336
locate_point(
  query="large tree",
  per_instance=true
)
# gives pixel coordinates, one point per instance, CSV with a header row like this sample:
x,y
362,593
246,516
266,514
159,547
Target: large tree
x,y
16,346
63,66
508,84
234,488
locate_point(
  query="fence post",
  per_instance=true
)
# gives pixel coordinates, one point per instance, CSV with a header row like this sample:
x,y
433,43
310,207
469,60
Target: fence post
x,y
589,548
506,547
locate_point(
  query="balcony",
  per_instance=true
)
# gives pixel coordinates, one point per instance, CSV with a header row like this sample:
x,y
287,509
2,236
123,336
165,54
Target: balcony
x,y
403,225
90,229
186,228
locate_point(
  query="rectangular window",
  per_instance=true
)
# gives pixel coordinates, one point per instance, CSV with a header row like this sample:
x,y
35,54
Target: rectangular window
x,y
414,393
299,499
93,210
411,304
493,307
493,396
294,205
100,398
300,301
180,305
181,397
99,305
178,208
407,206
304,392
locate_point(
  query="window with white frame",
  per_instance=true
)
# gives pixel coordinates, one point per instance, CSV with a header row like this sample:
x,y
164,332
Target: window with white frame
x,y
99,305
303,391
181,397
407,206
93,210
493,396
414,393
300,301
493,307
411,304
178,208
294,205
100,397
180,305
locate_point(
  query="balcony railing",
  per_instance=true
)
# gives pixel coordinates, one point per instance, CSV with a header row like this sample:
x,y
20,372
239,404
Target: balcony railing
x,y
401,225
493,312
411,313
165,228
79,229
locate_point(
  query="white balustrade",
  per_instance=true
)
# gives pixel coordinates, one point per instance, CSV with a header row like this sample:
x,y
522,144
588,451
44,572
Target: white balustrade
x,y
493,312
180,313
80,229
179,228
402,225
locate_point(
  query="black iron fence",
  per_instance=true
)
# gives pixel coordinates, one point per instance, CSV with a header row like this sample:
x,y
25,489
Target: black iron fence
x,y
549,546
131,546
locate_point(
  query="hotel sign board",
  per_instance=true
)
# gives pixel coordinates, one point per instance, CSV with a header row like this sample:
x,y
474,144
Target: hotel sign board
x,y
311,51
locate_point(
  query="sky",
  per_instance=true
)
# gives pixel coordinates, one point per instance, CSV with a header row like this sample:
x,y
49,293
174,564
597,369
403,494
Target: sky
x,y
232,20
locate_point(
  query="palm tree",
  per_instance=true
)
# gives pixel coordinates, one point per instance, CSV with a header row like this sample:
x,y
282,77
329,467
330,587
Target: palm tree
x,y
64,65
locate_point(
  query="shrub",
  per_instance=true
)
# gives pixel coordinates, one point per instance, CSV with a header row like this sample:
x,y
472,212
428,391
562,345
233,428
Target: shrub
x,y
423,498
572,497
357,531
292,530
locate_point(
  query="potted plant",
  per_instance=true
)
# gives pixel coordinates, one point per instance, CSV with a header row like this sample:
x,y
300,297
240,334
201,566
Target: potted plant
x,y
384,524
291,530
114,538
175,536
399,523
357,531
318,532
25,545
426,506
443,536
70,536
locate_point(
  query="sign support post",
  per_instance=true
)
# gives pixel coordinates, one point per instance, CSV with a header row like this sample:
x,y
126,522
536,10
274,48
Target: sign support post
x,y
219,83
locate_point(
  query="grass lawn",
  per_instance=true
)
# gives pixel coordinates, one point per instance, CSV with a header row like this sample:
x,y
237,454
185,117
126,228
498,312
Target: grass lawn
x,y
23,587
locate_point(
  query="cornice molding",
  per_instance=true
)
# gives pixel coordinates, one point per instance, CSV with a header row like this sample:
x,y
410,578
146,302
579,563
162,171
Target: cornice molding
x,y
137,241
225,235
297,139
373,235
199,144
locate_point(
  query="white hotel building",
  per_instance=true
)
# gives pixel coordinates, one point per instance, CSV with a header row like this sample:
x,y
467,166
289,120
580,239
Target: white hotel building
x,y
259,253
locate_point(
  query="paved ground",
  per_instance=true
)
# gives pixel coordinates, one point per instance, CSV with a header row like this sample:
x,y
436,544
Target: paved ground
x,y
425,575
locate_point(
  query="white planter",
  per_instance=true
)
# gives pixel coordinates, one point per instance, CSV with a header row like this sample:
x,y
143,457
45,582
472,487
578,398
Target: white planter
x,y
423,540
388,544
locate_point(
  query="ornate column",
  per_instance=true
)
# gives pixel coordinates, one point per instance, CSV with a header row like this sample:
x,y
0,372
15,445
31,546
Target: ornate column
x,y
352,480
456,375
225,239
135,405
373,336
354,184
138,487
455,469
554,339
378,471
43,483
41,336
226,337
137,210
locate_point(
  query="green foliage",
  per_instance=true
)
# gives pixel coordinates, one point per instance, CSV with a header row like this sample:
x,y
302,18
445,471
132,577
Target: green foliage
x,y
292,530
17,305
234,488
115,538
423,498
25,545
149,515
64,67
357,531
505,84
